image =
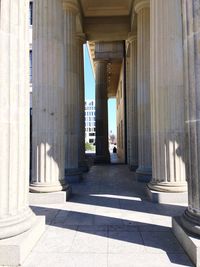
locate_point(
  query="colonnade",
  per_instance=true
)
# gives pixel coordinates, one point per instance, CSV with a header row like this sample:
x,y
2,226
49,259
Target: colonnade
x,y
160,94
167,86
164,88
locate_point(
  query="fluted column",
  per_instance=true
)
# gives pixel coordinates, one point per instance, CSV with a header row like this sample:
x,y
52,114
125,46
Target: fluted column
x,y
143,86
132,95
191,14
48,97
101,102
15,214
80,40
72,116
167,97
128,108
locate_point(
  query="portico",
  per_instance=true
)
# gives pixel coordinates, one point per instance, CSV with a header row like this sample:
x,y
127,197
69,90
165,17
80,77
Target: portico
x,y
145,53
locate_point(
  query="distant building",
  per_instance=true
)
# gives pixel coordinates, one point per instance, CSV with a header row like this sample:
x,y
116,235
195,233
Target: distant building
x,y
90,129
30,47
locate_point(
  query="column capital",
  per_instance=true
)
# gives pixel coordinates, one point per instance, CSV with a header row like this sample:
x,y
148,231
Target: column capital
x,y
140,4
71,5
81,37
132,36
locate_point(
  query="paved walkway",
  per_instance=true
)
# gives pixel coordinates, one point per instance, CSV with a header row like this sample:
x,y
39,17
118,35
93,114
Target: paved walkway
x,y
108,222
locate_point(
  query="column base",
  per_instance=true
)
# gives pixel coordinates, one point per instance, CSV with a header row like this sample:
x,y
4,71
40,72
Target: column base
x,y
190,244
166,197
14,250
143,175
83,166
102,159
191,222
144,171
73,176
50,198
36,187
168,187
15,225
133,168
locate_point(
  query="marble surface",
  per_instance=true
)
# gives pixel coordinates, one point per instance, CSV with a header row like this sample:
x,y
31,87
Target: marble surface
x,y
108,222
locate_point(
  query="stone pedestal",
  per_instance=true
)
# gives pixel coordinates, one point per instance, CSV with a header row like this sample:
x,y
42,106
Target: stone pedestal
x,y
16,218
71,97
14,250
188,224
190,243
50,198
80,40
48,153
167,98
102,152
132,103
143,87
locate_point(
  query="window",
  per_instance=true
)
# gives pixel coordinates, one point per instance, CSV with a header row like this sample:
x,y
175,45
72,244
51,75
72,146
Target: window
x,y
31,13
30,65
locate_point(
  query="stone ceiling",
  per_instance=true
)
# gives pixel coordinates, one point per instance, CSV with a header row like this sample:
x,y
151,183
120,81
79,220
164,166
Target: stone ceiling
x,y
107,21
102,8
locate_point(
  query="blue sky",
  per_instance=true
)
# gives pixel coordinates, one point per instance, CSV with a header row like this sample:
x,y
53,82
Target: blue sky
x,y
90,91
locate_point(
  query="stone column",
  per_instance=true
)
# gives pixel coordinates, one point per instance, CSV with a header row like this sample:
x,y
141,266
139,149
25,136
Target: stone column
x,y
80,40
191,13
72,116
143,87
167,97
20,229
15,214
48,98
187,227
128,108
132,96
102,152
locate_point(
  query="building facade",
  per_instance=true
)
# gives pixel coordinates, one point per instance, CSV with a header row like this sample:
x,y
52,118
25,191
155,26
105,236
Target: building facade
x,y
121,124
30,48
157,43
90,129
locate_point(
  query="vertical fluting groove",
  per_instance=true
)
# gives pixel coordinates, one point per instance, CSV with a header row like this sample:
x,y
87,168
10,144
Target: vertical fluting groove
x,y
71,92
167,95
191,20
128,83
133,122
48,97
143,88
81,97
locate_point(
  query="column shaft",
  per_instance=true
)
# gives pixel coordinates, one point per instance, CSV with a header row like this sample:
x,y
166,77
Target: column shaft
x,y
167,97
72,114
133,122
191,14
143,87
15,215
80,40
48,97
102,153
128,107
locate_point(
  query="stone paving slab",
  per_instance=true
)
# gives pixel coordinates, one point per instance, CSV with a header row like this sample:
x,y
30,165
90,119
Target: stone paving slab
x,y
108,222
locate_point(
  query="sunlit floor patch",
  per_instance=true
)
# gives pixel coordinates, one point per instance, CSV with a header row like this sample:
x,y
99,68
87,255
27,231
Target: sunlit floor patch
x,y
107,223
